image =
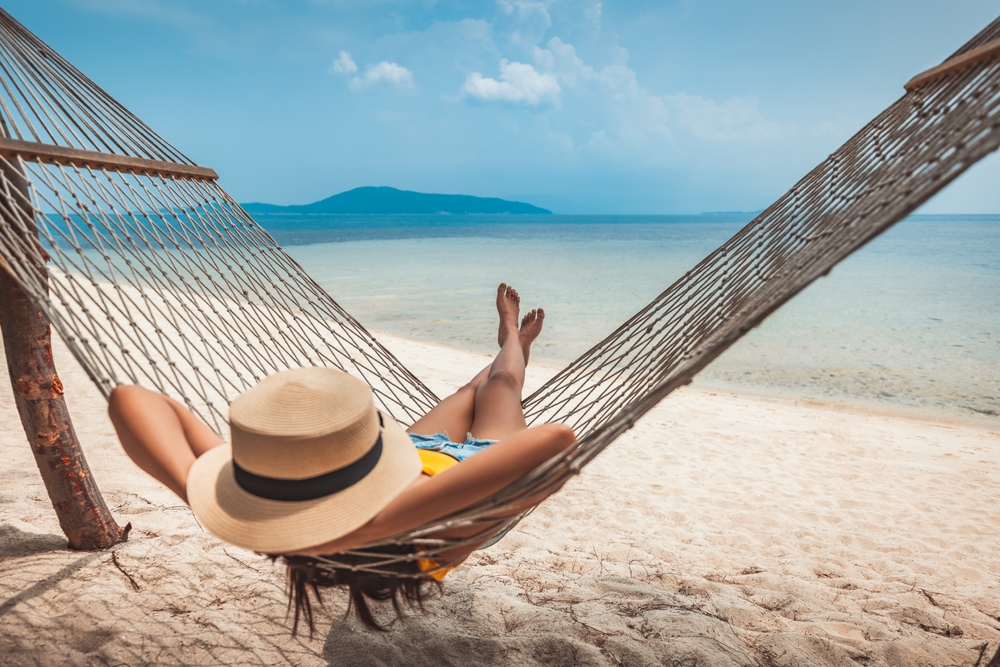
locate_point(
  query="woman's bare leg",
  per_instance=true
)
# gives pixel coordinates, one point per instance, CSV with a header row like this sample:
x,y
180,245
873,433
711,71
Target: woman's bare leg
x,y
159,434
498,410
531,326
453,415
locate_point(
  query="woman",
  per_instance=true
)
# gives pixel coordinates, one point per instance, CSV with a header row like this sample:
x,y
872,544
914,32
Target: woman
x,y
313,469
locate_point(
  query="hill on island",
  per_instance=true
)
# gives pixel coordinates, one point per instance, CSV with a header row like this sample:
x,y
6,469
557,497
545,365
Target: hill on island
x,y
385,200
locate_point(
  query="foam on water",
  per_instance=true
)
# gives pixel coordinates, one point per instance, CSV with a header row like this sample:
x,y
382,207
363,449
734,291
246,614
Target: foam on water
x,y
912,321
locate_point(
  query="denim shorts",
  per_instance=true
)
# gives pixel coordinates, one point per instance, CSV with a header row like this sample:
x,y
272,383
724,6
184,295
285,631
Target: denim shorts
x,y
439,442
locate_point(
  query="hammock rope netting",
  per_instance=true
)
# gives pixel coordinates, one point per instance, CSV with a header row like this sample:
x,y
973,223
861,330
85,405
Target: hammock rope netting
x,y
153,275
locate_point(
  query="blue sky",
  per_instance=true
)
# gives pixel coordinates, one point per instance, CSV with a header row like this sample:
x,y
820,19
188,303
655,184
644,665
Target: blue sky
x,y
583,107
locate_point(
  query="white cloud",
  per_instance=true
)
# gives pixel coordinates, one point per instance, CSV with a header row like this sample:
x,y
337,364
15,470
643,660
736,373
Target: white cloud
x,y
561,59
384,72
519,84
736,120
633,115
526,11
625,114
594,14
527,20
638,115
344,64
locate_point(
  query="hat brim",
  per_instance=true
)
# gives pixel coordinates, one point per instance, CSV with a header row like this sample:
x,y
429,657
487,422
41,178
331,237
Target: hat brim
x,y
225,510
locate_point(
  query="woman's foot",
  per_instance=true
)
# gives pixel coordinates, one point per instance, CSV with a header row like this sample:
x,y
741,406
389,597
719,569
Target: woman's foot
x,y
508,305
531,326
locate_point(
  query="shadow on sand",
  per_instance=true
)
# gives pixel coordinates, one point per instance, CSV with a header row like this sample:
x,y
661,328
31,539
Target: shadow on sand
x,y
438,639
15,543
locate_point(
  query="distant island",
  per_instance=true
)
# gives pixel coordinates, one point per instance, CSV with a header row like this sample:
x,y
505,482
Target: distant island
x,y
385,200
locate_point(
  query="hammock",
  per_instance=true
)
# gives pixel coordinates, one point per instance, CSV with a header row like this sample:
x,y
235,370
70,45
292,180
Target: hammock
x,y
153,275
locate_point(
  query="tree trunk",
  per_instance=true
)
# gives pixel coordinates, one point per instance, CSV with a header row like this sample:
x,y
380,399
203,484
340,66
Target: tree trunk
x,y
38,393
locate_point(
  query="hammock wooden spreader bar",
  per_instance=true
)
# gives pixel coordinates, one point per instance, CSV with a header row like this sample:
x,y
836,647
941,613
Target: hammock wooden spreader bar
x,y
32,151
975,56
159,278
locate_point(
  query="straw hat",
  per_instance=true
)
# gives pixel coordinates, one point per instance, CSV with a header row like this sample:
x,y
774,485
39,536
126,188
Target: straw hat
x,y
311,460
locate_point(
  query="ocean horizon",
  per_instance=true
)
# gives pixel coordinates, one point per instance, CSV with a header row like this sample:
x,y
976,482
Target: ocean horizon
x,y
909,323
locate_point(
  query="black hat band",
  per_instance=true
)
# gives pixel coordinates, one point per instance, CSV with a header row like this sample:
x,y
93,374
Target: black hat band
x,y
309,488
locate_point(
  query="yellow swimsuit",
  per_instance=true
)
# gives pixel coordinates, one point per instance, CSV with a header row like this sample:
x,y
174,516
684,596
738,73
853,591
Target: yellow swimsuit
x,y
435,463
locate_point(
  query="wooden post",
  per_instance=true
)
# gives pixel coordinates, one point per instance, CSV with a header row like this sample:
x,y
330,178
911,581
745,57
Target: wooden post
x,y
38,393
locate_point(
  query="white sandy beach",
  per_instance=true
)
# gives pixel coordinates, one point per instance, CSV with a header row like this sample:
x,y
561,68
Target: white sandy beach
x,y
725,529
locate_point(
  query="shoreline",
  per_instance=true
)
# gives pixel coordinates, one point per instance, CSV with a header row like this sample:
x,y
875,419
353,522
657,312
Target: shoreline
x,y
894,325
545,368
857,406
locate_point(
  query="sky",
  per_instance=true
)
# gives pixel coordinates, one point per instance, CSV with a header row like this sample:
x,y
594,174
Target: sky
x,y
645,107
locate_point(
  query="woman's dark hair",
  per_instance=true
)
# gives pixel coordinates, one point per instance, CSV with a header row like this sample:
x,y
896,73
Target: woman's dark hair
x,y
308,574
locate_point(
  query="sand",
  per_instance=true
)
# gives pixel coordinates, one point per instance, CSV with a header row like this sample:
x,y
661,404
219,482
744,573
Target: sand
x,y
725,529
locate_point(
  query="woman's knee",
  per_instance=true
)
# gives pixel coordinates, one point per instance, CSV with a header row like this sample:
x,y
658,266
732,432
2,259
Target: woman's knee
x,y
464,397
124,398
469,389
120,396
503,379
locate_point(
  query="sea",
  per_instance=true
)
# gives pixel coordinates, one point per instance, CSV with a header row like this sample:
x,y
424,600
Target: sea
x,y
908,324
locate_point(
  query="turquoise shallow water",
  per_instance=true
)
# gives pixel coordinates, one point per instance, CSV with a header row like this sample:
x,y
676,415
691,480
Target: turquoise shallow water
x,y
910,322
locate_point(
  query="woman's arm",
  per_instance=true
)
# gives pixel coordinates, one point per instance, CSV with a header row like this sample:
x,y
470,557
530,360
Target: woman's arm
x,y
159,434
472,480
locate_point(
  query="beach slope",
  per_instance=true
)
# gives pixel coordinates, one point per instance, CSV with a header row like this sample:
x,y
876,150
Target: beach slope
x,y
723,530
